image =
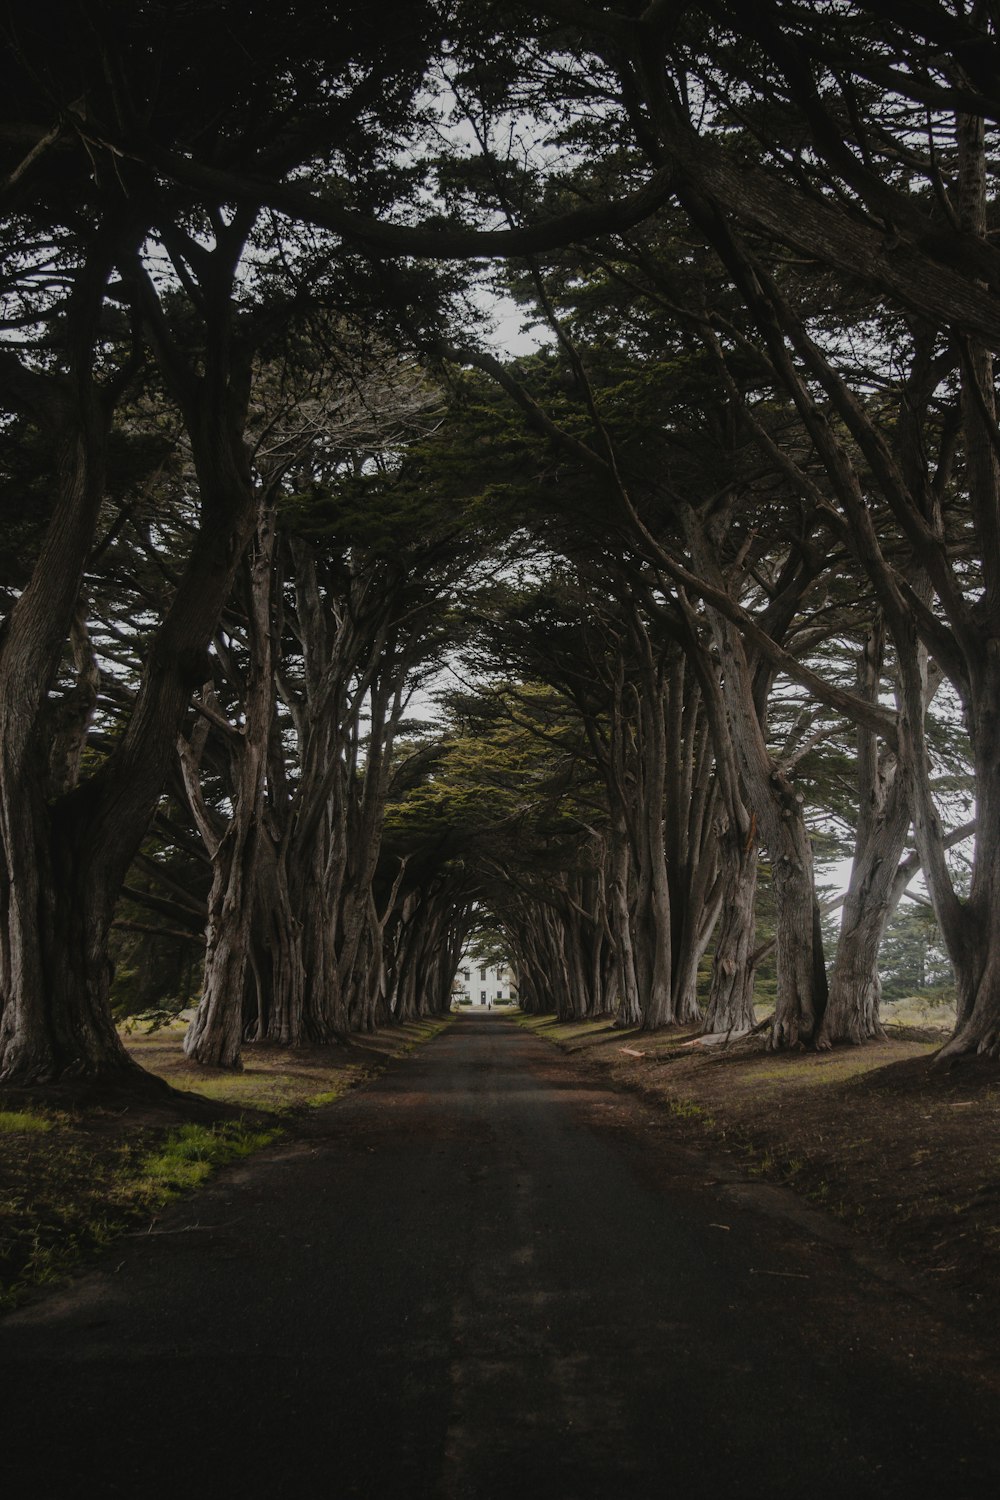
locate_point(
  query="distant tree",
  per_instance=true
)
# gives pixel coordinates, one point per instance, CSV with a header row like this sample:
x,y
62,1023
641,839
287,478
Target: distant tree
x,y
913,959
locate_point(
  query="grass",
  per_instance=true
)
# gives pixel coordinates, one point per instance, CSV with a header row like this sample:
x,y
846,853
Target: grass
x,y
274,1080
189,1155
24,1122
567,1031
278,1080
78,1185
74,1178
687,1109
920,1011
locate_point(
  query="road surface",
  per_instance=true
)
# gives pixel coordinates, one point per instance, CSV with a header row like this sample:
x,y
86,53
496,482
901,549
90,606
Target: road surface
x,y
488,1275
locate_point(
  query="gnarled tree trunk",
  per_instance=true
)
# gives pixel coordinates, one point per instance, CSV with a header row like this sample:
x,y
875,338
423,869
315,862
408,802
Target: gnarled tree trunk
x,y
215,1035
734,966
852,1012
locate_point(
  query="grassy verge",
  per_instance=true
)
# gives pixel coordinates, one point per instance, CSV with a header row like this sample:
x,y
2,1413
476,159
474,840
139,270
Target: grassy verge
x,y
187,1156
73,1177
905,1152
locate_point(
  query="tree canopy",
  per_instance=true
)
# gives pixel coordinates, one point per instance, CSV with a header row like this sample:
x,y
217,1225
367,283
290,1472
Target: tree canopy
x,y
334,632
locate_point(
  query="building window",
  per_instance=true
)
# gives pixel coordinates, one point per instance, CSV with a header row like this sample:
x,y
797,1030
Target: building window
x,y
482,972
499,994
465,974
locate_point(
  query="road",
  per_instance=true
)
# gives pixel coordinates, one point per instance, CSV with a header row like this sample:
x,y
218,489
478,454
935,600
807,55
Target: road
x,y
488,1275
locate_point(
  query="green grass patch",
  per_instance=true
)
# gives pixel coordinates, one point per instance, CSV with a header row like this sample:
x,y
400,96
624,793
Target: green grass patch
x,y
534,1020
357,1073
687,1109
23,1122
545,1024
189,1155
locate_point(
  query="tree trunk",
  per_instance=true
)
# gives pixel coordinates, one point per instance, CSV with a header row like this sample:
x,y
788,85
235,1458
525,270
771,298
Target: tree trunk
x,y
970,928
973,939
54,968
215,1036
97,829
730,1000
629,1007
696,887
278,965
852,1012
325,1018
801,997
56,1020
802,985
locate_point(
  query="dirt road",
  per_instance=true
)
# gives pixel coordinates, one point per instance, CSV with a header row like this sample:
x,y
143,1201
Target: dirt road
x,y
489,1276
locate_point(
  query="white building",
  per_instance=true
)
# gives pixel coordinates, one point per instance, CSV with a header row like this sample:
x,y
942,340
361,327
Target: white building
x,y
482,984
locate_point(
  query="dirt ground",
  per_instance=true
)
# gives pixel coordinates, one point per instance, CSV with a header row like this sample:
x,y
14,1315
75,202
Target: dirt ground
x,y
907,1153
77,1165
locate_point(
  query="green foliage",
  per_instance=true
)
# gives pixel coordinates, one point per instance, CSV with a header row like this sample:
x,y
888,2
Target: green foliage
x,y
504,785
912,959
156,976
156,944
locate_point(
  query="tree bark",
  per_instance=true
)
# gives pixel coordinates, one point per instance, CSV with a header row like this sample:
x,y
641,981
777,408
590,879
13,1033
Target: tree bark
x,y
801,996
54,966
215,1036
852,1013
734,965
629,1005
